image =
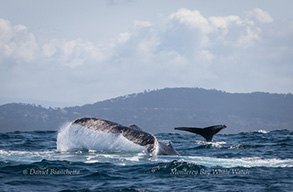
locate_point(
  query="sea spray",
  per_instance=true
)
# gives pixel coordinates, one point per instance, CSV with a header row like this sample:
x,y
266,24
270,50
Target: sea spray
x,y
73,137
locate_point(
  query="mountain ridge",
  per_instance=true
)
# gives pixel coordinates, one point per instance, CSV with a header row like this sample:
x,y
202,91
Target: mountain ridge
x,y
162,110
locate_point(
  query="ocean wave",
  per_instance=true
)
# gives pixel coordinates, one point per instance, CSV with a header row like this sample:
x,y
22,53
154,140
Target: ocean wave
x,y
262,131
76,144
245,146
124,159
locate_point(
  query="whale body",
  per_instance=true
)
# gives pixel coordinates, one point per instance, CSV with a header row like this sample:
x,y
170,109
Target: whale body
x,y
132,133
207,132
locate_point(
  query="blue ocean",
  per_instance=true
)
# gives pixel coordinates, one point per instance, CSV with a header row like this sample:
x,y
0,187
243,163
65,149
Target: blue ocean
x,y
53,161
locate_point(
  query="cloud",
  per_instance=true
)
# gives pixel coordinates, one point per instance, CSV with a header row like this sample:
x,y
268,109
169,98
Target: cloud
x,y
19,28
188,33
142,24
49,49
261,15
123,37
192,19
187,49
17,43
75,52
6,31
225,22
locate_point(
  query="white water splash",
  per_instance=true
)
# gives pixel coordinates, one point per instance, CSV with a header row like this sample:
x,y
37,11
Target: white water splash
x,y
214,144
262,131
76,137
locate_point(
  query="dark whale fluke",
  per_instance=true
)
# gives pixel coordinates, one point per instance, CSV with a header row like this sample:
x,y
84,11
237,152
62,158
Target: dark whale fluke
x,y
207,132
133,133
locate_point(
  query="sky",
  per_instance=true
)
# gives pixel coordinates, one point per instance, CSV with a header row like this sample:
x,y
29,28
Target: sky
x,y
74,52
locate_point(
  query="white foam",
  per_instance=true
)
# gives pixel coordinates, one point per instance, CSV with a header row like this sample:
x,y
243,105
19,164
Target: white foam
x,y
119,159
11,152
26,156
76,137
262,131
214,144
140,158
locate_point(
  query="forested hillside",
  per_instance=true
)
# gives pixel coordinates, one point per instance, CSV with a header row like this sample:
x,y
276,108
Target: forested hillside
x,y
162,110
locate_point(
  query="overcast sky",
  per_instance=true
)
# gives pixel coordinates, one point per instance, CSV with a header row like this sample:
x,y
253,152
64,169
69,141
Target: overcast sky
x,y
78,52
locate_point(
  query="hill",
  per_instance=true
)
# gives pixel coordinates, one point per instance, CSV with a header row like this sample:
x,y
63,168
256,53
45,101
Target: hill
x,y
162,110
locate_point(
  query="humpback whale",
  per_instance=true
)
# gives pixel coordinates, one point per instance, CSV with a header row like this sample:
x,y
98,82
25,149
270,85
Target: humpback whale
x,y
207,132
132,132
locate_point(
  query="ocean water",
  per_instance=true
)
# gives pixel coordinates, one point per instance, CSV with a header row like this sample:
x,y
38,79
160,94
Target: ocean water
x,y
78,160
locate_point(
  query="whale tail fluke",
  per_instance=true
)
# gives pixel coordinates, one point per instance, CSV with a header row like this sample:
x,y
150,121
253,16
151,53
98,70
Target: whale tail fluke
x,y
207,132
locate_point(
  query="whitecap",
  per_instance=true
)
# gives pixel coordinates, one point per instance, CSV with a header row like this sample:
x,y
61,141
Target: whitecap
x,y
262,131
217,144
